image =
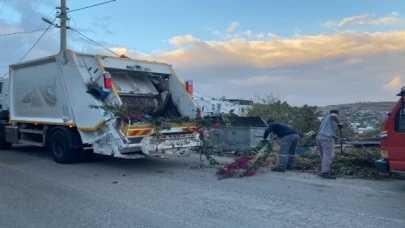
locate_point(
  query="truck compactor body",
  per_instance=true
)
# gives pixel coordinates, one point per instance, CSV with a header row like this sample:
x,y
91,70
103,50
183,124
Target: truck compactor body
x,y
47,102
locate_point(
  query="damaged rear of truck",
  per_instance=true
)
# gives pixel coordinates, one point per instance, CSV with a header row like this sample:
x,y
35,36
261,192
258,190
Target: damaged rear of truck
x,y
67,106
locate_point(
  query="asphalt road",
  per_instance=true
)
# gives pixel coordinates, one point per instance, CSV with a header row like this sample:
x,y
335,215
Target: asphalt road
x,y
36,192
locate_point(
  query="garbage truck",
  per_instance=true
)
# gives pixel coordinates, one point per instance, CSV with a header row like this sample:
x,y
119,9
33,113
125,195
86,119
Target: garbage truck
x,y
392,139
64,104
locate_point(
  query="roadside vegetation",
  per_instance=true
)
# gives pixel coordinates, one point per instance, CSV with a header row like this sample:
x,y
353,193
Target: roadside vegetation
x,y
353,162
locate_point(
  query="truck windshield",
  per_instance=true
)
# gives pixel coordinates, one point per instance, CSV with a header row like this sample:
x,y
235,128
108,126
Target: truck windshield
x,y
399,125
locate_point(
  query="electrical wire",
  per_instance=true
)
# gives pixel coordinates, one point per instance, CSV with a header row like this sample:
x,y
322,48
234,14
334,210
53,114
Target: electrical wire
x,y
17,33
33,45
46,30
102,3
2,7
18,48
37,4
73,20
15,9
81,35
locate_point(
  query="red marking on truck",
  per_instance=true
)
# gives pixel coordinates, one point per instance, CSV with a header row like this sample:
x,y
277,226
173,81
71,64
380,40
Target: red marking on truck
x,y
140,132
189,129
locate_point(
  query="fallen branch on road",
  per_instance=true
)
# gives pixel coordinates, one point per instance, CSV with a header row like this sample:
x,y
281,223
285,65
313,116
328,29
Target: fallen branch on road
x,y
248,164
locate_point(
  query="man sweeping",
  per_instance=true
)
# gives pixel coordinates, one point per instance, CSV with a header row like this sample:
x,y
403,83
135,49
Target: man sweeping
x,y
289,140
325,141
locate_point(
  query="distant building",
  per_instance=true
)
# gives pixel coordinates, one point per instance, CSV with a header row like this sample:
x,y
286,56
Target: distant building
x,y
223,106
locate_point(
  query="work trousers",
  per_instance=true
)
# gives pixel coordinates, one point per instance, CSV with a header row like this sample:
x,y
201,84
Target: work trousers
x,y
287,150
326,147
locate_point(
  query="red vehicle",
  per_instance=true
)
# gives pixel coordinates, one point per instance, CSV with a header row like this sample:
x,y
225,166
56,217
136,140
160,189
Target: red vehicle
x,y
393,139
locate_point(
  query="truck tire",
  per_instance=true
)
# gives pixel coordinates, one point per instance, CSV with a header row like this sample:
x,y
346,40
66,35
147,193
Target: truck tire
x,y
64,145
4,145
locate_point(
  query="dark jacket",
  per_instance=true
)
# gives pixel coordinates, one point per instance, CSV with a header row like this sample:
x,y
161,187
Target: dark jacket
x,y
279,129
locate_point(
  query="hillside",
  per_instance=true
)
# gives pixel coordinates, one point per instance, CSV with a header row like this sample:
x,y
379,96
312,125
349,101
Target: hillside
x,y
382,106
363,116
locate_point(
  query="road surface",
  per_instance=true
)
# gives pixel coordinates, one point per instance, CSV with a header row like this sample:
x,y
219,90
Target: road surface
x,y
35,192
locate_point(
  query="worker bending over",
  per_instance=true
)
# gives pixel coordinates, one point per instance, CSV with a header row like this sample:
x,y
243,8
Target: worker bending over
x,y
289,140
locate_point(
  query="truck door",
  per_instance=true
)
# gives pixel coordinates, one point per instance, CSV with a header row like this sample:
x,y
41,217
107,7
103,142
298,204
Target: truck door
x,y
396,141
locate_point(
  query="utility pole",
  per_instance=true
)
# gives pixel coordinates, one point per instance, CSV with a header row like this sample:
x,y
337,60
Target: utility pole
x,y
63,28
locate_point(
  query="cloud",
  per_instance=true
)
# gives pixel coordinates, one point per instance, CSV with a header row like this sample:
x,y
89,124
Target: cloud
x,y
180,41
367,19
302,69
248,33
232,26
320,69
131,53
260,35
282,52
230,34
266,80
395,84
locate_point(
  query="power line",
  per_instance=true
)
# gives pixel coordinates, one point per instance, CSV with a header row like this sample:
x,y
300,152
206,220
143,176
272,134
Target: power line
x,y
73,20
102,3
38,4
92,41
34,44
18,48
15,9
2,7
17,33
86,40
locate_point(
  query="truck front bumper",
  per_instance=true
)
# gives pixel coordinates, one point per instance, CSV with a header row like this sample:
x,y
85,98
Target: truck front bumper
x,y
382,166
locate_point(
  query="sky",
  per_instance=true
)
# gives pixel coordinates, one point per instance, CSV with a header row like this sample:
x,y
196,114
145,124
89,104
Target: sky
x,y
304,52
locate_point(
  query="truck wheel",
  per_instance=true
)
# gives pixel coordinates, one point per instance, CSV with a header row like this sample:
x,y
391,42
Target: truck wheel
x,y
63,146
4,145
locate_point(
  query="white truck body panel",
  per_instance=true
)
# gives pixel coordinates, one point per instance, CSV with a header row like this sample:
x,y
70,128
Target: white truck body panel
x,y
46,92
38,94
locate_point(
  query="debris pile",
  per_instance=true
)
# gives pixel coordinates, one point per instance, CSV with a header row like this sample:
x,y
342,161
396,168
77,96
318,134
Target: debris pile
x,y
353,162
